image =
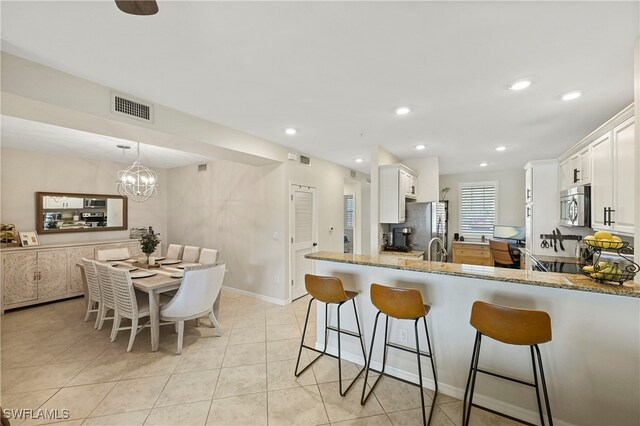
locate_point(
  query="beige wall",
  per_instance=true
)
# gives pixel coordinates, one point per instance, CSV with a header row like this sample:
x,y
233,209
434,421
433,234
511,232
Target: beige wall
x,y
236,209
510,207
25,172
243,211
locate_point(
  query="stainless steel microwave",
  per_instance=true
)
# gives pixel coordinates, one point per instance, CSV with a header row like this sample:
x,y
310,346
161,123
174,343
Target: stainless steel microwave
x,y
95,202
575,206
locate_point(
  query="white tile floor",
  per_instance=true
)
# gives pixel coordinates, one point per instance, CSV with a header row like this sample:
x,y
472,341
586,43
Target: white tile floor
x,y
52,359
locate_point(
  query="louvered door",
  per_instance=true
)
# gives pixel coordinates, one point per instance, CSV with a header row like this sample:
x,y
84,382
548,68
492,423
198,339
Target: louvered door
x,y
304,229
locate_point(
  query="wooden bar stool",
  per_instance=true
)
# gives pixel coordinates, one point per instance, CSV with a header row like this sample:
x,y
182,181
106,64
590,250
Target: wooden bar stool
x,y
406,304
329,290
513,327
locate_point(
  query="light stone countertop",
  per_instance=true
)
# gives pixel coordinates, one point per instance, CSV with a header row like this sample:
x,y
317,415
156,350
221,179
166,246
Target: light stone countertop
x,y
512,276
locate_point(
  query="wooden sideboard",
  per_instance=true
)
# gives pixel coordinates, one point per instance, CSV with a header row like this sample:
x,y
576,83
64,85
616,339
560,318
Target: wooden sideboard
x,y
472,253
32,275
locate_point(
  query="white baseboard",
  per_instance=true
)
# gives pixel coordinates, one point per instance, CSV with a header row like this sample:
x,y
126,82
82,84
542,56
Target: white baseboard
x,y
262,297
458,393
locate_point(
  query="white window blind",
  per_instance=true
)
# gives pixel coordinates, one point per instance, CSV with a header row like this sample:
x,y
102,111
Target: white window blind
x,y
349,207
477,209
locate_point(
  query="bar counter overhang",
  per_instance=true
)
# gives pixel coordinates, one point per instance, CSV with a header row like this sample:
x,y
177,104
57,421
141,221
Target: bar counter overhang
x,y
592,364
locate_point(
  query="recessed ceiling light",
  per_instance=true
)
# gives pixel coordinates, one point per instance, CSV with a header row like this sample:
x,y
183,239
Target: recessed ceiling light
x,y
500,148
290,131
420,147
403,110
569,96
359,160
520,84
484,164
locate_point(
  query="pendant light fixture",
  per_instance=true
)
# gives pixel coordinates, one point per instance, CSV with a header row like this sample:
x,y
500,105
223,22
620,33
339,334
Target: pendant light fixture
x,y
137,182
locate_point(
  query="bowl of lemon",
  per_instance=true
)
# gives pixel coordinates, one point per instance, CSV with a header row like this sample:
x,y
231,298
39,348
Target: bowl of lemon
x,y
605,240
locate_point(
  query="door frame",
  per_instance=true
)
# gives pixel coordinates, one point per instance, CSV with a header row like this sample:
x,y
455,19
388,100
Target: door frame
x,y
314,231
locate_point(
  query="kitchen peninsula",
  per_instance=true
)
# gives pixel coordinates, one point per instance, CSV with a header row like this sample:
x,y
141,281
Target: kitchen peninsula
x,y
592,363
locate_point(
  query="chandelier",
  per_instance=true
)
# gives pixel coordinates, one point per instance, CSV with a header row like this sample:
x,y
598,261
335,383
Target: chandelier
x,y
137,182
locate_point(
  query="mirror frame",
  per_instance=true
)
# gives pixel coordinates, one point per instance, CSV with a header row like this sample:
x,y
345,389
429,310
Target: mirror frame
x,y
40,213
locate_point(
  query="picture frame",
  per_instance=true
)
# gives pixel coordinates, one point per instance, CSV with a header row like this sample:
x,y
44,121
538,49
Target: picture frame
x,y
29,238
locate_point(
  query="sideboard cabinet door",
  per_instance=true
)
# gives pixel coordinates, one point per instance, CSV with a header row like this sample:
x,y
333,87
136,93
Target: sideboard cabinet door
x,y
52,273
20,281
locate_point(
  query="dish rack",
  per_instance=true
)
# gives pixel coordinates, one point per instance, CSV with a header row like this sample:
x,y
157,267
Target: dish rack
x,y
611,271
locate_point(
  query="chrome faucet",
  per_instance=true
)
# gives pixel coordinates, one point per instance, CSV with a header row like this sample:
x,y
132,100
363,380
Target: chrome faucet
x,y
442,251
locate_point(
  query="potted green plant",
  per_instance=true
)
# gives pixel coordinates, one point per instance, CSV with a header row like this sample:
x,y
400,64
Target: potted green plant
x,y
148,243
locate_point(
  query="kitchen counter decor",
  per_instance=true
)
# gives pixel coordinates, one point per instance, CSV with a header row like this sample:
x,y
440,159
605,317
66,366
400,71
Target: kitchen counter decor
x,y
610,271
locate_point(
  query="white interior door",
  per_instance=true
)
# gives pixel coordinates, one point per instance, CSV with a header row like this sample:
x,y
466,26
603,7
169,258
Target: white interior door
x,y
304,231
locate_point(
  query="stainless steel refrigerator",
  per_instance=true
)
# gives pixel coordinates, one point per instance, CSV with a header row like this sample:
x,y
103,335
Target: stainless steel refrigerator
x,y
428,221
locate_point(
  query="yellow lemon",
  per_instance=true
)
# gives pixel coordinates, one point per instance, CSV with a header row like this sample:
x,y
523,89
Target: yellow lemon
x,y
602,235
616,239
588,269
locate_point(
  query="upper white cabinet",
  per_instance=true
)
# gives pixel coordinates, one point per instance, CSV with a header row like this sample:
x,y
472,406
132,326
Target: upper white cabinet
x,y
541,204
576,170
613,181
63,203
605,160
528,180
397,183
624,182
602,181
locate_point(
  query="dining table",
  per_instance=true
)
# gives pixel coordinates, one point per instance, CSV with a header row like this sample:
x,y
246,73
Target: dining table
x,y
164,279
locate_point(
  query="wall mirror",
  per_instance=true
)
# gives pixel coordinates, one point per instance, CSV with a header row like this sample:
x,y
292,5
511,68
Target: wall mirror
x,y
66,212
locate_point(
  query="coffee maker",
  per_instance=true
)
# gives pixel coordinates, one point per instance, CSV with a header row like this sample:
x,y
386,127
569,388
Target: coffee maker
x,y
401,240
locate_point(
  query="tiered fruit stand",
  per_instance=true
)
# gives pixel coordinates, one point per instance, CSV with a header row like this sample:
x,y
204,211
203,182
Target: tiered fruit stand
x,y
611,271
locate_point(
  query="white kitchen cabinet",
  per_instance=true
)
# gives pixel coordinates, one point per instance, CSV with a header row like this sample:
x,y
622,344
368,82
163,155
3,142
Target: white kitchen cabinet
x,y
564,174
75,203
396,185
528,184
541,215
584,163
51,202
601,181
613,180
575,170
624,182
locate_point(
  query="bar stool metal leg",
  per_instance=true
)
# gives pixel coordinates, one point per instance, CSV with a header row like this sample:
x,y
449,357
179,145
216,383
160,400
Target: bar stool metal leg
x,y
417,352
471,383
544,386
535,382
339,330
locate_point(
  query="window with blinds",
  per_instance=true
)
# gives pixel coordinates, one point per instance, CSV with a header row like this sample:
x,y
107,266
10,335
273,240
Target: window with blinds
x,y
477,209
349,207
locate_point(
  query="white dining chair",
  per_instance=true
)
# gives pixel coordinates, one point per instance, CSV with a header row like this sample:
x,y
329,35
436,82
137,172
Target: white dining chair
x,y
195,298
107,299
129,304
118,253
190,254
174,251
93,289
208,256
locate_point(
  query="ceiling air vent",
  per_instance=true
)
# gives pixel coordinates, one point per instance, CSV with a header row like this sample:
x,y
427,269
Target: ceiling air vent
x,y
131,108
305,160
202,167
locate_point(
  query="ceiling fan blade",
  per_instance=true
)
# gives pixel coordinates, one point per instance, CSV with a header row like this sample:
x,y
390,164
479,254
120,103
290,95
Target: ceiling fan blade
x,y
140,7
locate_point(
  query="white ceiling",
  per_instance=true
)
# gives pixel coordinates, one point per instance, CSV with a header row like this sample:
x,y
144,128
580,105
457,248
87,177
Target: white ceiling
x,y
336,70
35,136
